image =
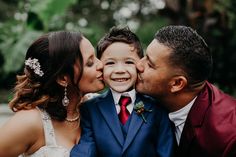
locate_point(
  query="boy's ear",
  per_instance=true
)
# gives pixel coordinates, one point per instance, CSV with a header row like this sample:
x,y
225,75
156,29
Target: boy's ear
x,y
62,80
177,83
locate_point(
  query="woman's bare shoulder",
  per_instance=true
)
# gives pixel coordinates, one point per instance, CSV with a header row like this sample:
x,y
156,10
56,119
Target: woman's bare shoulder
x,y
23,122
21,130
27,118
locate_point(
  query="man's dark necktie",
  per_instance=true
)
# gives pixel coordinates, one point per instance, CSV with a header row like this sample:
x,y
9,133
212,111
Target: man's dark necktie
x,y
124,113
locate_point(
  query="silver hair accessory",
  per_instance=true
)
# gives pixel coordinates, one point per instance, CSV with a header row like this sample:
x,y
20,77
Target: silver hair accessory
x,y
34,65
65,100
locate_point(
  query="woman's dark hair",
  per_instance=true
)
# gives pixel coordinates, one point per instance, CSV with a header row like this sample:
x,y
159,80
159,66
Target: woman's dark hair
x,y
189,52
118,34
56,54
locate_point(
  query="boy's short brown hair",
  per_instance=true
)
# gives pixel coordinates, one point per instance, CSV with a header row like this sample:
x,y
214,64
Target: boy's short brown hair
x,y
118,34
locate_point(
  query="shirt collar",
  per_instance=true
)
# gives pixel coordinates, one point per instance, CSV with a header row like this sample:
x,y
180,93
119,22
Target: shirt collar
x,y
116,95
179,116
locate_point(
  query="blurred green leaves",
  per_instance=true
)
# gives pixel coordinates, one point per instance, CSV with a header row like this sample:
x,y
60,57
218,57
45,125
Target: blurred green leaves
x,y
21,22
14,50
16,34
44,11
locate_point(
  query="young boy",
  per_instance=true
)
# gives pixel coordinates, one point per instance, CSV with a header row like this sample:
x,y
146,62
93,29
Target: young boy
x,y
121,122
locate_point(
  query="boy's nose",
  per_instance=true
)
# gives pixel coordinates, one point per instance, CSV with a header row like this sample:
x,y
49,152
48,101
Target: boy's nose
x,y
120,68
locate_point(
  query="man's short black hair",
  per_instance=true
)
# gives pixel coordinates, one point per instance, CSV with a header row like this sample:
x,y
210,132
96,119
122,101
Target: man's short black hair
x,y
190,52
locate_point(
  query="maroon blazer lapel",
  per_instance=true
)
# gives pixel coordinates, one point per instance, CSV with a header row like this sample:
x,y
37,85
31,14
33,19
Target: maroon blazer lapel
x,y
187,136
194,120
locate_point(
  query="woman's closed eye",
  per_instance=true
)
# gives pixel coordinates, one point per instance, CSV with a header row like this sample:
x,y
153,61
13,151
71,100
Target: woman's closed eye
x,y
90,62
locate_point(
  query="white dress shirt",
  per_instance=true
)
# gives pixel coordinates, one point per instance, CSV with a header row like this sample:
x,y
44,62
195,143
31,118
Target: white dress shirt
x,y
116,97
179,117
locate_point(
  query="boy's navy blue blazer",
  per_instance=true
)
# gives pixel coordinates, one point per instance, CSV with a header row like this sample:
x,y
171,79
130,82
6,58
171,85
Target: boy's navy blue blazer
x,y
102,134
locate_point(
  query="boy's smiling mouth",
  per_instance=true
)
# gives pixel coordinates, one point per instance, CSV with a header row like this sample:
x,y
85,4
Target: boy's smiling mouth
x,y
120,79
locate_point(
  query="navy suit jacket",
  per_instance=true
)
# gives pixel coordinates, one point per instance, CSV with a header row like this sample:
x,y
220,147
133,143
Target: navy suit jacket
x,y
210,128
102,134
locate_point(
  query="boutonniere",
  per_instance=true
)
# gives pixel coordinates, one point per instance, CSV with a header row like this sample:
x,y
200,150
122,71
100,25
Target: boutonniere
x,y
139,108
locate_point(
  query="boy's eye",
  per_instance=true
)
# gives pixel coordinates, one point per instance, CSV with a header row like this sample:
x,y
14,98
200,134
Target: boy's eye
x,y
129,62
109,63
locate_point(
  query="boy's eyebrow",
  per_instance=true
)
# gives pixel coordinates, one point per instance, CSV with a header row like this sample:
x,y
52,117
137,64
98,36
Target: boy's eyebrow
x,y
125,58
108,59
130,58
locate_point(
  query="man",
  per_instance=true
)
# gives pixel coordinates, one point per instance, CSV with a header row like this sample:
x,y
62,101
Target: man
x,y
175,70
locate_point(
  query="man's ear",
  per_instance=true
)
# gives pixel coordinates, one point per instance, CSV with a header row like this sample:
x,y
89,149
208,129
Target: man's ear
x,y
177,83
62,80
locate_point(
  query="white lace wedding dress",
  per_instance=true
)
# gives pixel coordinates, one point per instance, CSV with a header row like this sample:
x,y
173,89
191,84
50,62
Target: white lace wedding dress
x,y
51,149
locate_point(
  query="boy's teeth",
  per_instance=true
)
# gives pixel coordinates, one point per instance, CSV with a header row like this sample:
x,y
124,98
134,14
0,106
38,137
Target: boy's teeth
x,y
120,80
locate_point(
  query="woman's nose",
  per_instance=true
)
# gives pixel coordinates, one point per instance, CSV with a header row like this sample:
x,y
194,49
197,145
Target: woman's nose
x,y
99,64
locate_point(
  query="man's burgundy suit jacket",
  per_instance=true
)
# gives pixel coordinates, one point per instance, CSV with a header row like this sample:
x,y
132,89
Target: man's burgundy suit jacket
x,y
210,128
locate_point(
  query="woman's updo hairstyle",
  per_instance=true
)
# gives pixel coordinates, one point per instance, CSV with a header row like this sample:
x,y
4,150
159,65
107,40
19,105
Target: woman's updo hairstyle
x,y
49,57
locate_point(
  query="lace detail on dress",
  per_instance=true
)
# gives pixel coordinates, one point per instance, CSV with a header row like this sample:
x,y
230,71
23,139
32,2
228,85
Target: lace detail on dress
x,y
51,149
49,134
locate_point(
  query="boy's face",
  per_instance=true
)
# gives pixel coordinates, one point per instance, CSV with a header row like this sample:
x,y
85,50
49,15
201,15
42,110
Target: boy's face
x,y
119,71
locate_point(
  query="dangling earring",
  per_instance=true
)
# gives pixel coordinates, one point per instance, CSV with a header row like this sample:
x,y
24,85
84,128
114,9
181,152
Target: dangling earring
x,y
65,100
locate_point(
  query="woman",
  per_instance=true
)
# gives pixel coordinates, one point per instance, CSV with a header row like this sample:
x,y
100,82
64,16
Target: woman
x,y
60,68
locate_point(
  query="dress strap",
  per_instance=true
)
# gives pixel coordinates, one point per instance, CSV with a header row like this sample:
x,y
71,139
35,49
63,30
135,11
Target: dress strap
x,y
48,129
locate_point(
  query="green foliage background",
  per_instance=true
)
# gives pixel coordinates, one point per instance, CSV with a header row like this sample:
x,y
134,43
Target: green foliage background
x,y
22,21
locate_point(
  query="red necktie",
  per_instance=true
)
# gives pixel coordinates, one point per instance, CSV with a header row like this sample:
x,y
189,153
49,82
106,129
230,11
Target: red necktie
x,y
124,113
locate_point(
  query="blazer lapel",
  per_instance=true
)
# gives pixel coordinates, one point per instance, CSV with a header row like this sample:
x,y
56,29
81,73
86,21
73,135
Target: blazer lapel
x,y
108,110
135,124
187,136
194,119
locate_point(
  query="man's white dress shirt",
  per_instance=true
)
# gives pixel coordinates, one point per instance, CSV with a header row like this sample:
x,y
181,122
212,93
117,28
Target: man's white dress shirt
x,y
179,117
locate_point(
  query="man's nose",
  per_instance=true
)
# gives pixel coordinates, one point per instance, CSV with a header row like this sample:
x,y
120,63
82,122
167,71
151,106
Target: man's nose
x,y
140,66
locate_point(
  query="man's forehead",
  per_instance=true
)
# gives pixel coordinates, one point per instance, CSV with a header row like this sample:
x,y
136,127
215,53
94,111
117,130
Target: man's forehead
x,y
153,43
